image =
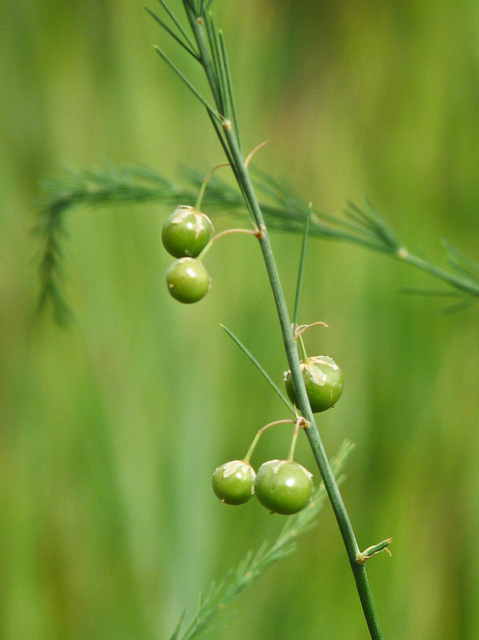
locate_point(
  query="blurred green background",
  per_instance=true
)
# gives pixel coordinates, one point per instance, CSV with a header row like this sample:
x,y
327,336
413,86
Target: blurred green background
x,y
110,430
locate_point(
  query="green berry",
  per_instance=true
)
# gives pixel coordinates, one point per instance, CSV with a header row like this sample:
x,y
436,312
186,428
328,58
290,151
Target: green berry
x,y
323,379
187,280
283,486
186,232
233,482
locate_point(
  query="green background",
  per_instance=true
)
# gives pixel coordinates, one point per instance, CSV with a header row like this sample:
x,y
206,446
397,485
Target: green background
x,y
110,430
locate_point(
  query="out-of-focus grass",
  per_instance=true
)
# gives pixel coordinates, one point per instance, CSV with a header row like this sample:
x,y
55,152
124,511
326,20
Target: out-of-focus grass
x,y
110,430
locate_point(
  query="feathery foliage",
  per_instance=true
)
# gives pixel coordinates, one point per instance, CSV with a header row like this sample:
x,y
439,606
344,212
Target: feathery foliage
x,y
283,208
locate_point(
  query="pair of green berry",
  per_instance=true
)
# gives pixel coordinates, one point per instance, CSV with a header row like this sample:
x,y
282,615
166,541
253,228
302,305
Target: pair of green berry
x,y
185,235
282,486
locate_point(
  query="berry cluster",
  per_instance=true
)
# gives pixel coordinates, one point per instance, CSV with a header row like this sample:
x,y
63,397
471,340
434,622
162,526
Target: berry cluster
x,y
185,234
282,486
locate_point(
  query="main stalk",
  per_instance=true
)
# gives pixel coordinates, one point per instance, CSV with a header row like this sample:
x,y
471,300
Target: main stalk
x,y
246,186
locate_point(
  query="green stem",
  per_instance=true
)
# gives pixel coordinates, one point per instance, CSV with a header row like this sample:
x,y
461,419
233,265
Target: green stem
x,y
437,272
243,177
261,369
303,348
302,261
253,446
198,29
292,447
201,193
222,234
312,432
260,433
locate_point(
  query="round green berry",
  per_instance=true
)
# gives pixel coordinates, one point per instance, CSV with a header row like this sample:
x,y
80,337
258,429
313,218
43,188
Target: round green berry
x,y
323,379
283,486
186,232
187,280
233,482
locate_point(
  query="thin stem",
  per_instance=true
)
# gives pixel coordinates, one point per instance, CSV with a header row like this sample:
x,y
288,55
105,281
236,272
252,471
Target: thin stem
x,y
303,348
302,328
201,193
302,262
206,60
294,440
255,150
459,283
189,49
226,232
276,422
218,62
229,85
177,23
193,89
260,433
319,452
261,369
253,446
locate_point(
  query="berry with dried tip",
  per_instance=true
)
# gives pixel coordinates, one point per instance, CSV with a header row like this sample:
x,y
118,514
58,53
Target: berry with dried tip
x,y
233,482
323,379
283,486
186,232
187,280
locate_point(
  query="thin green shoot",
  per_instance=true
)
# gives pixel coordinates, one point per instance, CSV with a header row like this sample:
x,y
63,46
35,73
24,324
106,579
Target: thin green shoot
x,y
218,63
201,192
302,347
229,86
465,303
198,29
222,234
294,440
193,89
302,262
176,632
260,432
188,48
261,369
462,263
177,24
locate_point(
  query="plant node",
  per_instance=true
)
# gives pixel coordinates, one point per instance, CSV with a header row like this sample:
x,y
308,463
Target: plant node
x,y
259,233
302,423
372,551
